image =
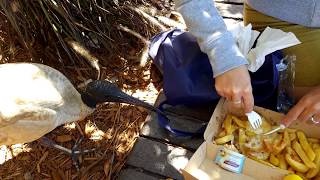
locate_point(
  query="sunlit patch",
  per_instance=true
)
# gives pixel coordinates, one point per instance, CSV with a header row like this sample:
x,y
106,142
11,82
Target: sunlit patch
x,y
125,141
109,134
177,157
149,95
97,135
90,128
94,132
160,166
54,2
3,154
70,126
202,175
146,130
123,136
179,162
9,152
122,148
157,150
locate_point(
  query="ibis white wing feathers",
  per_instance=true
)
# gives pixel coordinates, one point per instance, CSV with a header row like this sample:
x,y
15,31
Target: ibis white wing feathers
x,y
35,99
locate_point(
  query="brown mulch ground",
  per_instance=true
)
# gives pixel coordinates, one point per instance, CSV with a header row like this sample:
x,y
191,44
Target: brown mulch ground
x,y
112,129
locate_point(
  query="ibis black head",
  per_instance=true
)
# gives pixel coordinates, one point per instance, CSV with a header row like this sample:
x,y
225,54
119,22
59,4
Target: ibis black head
x,y
101,91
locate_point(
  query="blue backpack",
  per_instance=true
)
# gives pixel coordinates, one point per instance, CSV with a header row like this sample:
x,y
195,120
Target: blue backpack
x,y
188,77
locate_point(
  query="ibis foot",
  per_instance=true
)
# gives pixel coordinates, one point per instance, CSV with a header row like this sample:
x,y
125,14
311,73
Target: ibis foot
x,y
74,152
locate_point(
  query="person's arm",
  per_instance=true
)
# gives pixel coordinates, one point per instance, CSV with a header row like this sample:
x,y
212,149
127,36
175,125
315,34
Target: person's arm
x,y
232,79
205,23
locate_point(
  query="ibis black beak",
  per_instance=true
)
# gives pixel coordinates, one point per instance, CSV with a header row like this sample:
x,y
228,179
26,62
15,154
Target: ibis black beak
x,y
101,91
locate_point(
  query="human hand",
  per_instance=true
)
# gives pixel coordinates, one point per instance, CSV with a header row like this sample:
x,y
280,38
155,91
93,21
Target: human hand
x,y
307,108
235,86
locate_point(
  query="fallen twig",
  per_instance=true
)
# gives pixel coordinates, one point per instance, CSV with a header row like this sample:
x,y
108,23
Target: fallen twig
x,y
45,155
149,18
139,36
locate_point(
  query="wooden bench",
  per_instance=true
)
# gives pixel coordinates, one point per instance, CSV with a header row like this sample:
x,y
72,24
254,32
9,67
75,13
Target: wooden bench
x,y
156,154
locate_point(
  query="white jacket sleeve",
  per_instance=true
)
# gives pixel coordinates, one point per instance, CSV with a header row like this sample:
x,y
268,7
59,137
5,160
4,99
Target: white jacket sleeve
x,y
205,23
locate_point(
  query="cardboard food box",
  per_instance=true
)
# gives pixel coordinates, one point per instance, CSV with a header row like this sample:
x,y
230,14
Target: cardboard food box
x,y
203,167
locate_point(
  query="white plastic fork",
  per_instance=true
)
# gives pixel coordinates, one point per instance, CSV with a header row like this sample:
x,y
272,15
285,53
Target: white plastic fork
x,y
280,127
254,119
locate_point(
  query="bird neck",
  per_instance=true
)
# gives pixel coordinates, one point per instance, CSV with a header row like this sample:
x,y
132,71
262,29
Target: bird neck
x,y
89,100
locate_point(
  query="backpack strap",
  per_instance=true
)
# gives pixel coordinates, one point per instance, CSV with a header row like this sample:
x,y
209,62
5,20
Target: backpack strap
x,y
164,123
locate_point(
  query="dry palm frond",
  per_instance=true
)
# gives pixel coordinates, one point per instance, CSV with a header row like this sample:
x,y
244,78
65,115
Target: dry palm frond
x,y
51,25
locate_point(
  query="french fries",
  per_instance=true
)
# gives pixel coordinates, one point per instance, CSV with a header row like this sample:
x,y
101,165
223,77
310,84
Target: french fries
x,y
291,130
297,147
261,161
227,124
277,140
288,149
266,127
261,155
274,160
291,170
297,166
293,154
315,146
250,133
225,139
292,136
268,144
242,139
313,140
314,171
232,129
280,147
282,162
278,144
305,145
222,133
240,123
254,144
286,138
